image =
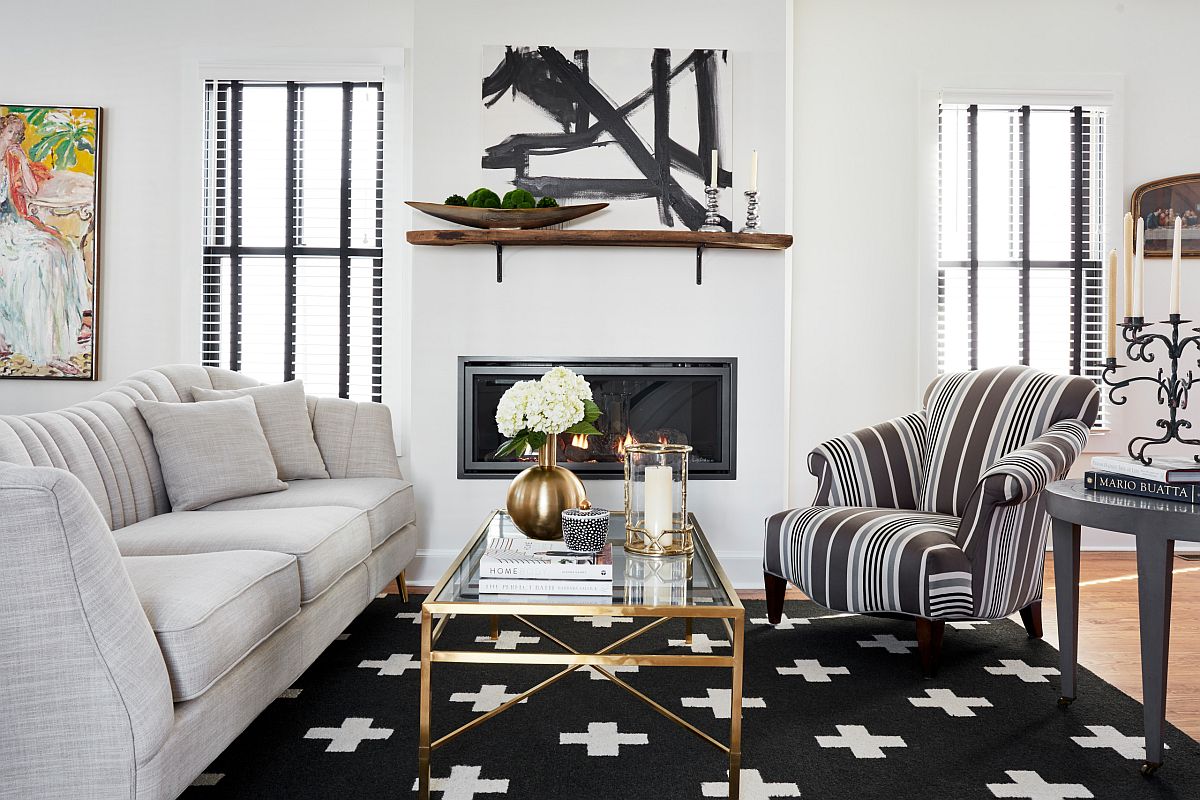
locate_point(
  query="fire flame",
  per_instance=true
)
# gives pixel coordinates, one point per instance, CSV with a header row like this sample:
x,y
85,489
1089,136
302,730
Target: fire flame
x,y
662,439
626,442
580,440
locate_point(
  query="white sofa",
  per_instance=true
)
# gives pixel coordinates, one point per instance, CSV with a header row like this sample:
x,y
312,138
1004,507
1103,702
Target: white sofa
x,y
137,643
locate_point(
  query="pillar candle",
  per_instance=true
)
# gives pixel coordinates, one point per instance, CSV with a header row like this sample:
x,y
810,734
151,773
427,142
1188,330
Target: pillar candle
x,y
713,171
1127,283
754,170
1139,271
1176,257
1112,304
658,504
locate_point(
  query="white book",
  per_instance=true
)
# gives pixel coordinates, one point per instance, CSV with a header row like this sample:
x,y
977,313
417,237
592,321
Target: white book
x,y
536,587
1178,469
529,558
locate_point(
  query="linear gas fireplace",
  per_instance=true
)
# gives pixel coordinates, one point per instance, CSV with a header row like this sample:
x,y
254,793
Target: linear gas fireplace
x,y
643,400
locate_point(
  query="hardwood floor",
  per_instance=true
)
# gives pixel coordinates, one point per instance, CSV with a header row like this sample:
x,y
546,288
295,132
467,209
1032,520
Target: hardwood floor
x,y
1108,629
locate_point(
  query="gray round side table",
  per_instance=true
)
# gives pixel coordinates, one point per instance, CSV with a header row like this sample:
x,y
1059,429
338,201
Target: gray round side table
x,y
1155,525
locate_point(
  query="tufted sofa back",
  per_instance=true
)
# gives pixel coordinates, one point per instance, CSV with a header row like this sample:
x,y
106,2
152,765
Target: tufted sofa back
x,y
105,443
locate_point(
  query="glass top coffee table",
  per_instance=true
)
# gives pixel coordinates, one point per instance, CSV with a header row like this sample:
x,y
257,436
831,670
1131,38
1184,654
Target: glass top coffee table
x,y
664,589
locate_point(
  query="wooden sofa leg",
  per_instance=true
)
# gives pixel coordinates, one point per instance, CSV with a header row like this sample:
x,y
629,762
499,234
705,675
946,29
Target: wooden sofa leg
x,y
402,585
929,644
1031,615
775,587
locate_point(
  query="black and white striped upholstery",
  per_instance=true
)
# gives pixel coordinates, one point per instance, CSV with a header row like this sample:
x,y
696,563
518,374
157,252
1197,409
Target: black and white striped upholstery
x,y
938,514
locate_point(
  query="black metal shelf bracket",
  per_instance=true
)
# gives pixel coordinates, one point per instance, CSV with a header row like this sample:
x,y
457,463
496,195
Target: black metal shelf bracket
x,y
499,262
699,264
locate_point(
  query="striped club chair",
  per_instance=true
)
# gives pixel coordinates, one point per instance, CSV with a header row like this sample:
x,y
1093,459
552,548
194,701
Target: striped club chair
x,y
938,515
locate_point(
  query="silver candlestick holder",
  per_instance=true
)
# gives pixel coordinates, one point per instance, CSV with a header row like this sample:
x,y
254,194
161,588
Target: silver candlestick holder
x,y
712,217
751,225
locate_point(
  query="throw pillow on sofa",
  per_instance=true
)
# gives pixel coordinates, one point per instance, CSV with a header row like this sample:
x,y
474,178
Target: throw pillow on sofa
x,y
283,412
210,451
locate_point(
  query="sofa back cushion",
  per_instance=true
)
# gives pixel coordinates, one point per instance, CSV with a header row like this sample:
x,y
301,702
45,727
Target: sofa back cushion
x,y
84,694
975,418
210,451
283,411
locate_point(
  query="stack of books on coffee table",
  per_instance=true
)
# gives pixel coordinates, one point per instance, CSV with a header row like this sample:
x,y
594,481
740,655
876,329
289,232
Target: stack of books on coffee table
x,y
531,567
1175,478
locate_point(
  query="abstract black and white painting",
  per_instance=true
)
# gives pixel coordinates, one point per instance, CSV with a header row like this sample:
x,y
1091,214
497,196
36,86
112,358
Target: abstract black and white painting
x,y
631,125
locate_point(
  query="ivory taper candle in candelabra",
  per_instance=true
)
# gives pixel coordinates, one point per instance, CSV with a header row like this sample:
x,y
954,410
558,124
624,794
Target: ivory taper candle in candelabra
x,y
1176,258
1112,304
713,171
1127,284
1139,271
754,170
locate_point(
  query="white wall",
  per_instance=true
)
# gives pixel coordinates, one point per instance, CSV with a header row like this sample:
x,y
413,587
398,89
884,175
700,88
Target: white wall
x,y
861,342
131,58
590,302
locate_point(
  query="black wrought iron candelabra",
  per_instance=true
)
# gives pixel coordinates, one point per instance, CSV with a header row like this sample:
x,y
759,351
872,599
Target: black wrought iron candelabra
x,y
1171,389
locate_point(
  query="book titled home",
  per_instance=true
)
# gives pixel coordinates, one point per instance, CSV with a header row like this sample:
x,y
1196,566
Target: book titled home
x,y
533,559
1180,469
1142,487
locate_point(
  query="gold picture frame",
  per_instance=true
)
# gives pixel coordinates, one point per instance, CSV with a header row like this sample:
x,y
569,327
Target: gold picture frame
x,y
1157,202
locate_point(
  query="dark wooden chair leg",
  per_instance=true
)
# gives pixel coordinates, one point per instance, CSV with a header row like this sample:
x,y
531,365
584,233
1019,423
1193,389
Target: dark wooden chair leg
x,y
929,644
775,587
1031,615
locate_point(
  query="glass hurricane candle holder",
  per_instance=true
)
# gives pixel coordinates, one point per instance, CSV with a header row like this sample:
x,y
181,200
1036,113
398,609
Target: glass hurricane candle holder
x,y
657,581
656,518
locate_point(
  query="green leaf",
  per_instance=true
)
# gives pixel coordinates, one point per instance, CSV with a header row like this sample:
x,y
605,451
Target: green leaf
x,y
584,427
591,411
513,446
64,153
536,439
43,148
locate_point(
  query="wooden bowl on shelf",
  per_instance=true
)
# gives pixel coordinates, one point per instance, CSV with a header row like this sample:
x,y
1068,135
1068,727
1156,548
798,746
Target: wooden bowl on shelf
x,y
520,218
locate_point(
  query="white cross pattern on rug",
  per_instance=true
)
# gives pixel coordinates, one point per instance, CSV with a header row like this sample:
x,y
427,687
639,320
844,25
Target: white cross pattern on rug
x,y
967,625
949,702
290,694
785,623
1018,668
889,643
464,783
489,696
1028,785
1132,747
208,778
603,621
811,670
415,616
508,640
718,702
860,741
700,643
603,739
395,664
752,787
595,675
349,735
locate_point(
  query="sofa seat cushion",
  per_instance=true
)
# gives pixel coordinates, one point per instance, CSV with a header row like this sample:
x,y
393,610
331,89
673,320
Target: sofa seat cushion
x,y
210,610
327,542
388,501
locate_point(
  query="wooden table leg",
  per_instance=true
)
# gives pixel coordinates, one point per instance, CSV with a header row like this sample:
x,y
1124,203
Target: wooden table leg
x,y
1154,556
425,705
1066,582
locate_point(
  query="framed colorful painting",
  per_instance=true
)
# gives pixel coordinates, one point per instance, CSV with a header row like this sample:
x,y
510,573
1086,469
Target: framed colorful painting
x,y
1159,203
49,215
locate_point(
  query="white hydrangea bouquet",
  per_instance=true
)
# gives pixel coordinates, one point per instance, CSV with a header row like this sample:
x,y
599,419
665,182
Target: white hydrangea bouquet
x,y
530,411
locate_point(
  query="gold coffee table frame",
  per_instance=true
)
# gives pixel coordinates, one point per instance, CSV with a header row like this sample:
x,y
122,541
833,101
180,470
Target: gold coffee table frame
x,y
731,614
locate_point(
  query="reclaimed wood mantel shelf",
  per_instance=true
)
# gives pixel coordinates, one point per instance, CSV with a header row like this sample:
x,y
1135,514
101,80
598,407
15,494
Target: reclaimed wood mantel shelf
x,y
582,237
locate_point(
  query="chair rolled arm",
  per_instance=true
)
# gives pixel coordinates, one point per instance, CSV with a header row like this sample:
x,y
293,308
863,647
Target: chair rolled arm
x,y
1020,475
879,466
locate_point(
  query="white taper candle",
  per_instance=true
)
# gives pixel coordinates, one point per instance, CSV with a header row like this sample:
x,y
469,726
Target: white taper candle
x,y
713,171
1127,284
1176,258
754,170
1139,271
1112,304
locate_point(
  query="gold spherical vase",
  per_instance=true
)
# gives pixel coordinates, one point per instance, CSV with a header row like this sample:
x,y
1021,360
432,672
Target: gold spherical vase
x,y
538,496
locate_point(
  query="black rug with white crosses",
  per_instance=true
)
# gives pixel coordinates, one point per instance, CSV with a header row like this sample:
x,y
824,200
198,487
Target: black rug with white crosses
x,y
834,707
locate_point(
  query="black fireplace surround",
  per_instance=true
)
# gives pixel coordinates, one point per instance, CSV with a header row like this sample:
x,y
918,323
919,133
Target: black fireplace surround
x,y
679,401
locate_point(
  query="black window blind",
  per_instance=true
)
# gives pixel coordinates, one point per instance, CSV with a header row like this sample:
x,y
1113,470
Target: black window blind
x,y
293,233
1020,237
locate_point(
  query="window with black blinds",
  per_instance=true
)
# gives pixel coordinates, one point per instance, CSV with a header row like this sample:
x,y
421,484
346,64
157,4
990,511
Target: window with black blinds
x,y
1020,237
293,233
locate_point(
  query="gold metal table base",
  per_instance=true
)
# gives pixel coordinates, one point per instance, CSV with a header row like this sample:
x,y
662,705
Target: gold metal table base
x,y
571,660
